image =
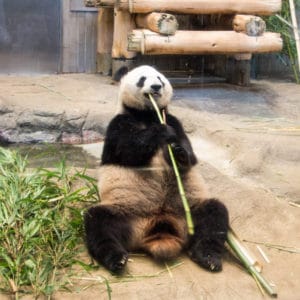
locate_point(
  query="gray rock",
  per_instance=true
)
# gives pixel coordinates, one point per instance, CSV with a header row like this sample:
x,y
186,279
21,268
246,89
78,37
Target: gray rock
x,y
29,119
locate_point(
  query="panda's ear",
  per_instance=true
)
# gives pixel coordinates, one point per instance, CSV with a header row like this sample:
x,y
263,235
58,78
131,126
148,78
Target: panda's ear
x,y
120,73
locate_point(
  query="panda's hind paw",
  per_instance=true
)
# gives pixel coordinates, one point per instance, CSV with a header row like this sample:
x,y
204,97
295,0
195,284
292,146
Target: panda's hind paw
x,y
211,262
116,262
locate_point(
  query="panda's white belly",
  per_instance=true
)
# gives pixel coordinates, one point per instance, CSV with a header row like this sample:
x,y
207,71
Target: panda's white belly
x,y
135,187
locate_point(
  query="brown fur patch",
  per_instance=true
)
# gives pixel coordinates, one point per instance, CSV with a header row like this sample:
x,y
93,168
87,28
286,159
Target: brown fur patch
x,y
161,235
163,247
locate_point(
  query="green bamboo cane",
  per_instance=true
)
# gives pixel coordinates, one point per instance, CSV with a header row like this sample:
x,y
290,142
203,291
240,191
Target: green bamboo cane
x,y
187,210
234,244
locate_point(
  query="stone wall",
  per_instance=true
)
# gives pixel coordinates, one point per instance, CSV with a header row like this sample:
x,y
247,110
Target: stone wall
x,y
19,125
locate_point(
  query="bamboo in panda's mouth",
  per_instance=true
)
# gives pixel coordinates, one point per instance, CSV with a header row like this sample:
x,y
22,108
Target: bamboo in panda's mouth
x,y
154,95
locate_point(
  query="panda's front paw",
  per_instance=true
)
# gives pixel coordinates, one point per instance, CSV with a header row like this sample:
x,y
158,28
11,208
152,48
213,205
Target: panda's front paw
x,y
209,261
116,262
168,134
181,155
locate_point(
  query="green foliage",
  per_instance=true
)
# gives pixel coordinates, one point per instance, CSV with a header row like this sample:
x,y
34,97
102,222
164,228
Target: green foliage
x,y
41,223
277,24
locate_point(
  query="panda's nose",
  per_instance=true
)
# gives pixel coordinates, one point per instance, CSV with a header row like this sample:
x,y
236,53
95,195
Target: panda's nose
x,y
156,87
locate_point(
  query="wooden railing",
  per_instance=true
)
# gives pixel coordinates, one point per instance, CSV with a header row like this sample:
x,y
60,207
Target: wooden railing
x,y
129,27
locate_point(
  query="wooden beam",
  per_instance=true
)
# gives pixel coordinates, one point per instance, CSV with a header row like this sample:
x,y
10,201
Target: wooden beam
x,y
202,42
259,7
162,23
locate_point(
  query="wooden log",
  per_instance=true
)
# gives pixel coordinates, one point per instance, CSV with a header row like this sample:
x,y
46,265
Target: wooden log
x,y
249,24
123,24
105,30
202,42
162,23
259,7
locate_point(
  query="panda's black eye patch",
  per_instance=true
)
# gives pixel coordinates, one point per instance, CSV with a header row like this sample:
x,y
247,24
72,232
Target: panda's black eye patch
x,y
163,84
141,82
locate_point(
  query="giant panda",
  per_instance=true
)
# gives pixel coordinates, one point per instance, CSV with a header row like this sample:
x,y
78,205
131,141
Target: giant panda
x,y
141,209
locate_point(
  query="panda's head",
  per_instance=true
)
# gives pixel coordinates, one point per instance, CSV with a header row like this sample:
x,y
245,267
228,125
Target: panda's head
x,y
137,84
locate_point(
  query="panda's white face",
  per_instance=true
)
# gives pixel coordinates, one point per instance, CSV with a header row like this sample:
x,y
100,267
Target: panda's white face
x,y
139,83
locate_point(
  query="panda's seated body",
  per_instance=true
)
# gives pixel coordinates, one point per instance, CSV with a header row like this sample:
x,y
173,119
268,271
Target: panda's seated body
x,y
140,207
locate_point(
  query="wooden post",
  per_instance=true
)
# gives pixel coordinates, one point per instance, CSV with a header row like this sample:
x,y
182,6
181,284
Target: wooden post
x,y
162,23
259,7
202,42
238,68
105,40
123,24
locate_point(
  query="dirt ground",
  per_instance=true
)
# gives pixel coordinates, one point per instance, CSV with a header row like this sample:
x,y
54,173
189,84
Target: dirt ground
x,y
247,141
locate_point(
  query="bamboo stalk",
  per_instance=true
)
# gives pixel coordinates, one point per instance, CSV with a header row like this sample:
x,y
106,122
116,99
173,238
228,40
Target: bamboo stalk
x,y
234,244
249,256
295,29
187,210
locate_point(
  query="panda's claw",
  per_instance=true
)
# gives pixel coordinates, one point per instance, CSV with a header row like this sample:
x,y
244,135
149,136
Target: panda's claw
x,y
116,263
211,262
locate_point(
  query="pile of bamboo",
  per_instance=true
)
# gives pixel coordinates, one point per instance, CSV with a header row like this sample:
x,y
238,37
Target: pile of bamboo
x,y
128,27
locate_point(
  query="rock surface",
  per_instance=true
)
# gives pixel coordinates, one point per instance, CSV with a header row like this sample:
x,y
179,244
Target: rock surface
x,y
70,109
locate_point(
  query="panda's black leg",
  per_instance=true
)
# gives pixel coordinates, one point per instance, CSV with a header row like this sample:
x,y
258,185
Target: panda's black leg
x,y
211,223
107,236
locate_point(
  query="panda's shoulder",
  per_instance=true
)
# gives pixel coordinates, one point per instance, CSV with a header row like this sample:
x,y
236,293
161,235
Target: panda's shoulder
x,y
121,120
173,121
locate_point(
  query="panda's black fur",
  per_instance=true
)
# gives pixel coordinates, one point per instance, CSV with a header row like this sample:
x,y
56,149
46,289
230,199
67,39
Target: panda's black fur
x,y
140,205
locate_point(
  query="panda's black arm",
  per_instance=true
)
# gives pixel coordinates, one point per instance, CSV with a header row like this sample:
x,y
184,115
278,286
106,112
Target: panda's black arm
x,y
129,144
182,147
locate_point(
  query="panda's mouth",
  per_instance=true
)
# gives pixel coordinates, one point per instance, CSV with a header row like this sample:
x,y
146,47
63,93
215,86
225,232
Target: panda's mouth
x,y
155,95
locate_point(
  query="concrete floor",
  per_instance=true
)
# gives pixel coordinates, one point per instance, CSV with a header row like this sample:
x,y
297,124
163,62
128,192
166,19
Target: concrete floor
x,y
247,141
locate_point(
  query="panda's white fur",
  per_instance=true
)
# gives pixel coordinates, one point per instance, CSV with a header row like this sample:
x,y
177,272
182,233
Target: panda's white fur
x,y
140,207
